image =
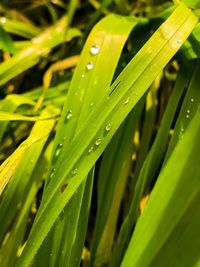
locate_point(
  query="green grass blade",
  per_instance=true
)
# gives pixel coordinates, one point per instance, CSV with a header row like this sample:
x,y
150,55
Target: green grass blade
x,y
6,43
192,3
107,37
8,116
19,28
147,130
40,130
112,179
41,46
10,104
165,229
188,110
124,94
55,95
21,193
148,170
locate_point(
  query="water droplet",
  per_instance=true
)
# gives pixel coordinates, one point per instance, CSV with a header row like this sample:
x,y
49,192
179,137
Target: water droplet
x,y
90,65
98,141
187,116
68,115
94,50
108,127
192,99
182,130
126,101
3,20
74,171
52,172
90,149
83,75
63,187
188,111
91,104
179,41
58,150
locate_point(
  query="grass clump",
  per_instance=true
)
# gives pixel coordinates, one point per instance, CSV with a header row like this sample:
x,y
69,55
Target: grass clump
x,y
99,134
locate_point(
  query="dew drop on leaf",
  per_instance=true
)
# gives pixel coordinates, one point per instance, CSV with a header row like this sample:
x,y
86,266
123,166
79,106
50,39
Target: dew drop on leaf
x,y
58,150
192,99
187,116
52,172
90,65
188,111
126,101
179,41
98,142
69,114
108,127
94,50
74,171
90,149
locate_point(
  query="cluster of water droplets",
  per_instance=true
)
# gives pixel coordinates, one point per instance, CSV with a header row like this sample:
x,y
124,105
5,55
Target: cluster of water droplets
x,y
74,171
188,114
68,116
91,149
98,141
188,110
94,50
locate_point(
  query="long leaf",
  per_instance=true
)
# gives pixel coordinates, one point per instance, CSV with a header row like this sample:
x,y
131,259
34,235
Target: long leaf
x,y
110,30
168,227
